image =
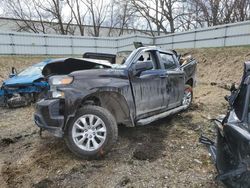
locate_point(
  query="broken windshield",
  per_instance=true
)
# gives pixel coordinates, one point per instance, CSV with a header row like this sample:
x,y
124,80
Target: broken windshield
x,y
33,70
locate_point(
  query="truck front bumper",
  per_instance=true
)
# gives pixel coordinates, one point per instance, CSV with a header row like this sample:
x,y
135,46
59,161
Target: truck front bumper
x,y
48,117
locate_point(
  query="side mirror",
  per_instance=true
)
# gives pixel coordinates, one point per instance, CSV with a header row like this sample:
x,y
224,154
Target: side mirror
x,y
143,65
13,72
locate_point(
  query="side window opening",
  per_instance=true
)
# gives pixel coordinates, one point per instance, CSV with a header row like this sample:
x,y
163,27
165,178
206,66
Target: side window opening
x,y
168,61
149,56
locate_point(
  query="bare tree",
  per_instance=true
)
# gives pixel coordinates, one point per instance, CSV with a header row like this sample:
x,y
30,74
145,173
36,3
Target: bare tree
x,y
168,12
111,21
97,10
78,13
120,16
125,13
157,16
26,11
54,7
38,16
188,16
160,14
242,10
150,11
215,12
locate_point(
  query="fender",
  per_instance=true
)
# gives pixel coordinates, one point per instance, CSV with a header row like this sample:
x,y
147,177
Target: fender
x,y
108,96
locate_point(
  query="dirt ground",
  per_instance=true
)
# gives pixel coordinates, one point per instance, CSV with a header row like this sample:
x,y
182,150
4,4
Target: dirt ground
x,y
163,154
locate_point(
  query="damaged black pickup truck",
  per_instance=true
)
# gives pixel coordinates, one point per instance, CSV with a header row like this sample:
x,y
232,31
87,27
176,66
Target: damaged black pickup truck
x,y
86,106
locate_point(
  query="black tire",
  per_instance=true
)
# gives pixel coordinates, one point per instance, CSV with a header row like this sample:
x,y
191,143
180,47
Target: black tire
x,y
111,132
189,89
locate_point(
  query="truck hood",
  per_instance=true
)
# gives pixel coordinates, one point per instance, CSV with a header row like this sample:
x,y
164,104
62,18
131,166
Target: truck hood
x,y
69,65
90,80
107,73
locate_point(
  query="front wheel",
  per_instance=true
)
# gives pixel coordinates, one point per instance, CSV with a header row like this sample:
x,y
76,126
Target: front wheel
x,y
188,96
92,132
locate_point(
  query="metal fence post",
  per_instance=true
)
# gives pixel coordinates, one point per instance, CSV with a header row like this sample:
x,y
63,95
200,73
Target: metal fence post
x,y
72,46
195,39
172,38
46,45
12,43
225,36
95,40
117,45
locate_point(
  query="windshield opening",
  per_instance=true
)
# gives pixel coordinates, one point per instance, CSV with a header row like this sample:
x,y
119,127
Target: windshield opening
x,y
121,59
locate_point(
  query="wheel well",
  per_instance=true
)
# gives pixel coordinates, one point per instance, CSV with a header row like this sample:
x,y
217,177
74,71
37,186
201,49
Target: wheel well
x,y
91,100
114,102
190,82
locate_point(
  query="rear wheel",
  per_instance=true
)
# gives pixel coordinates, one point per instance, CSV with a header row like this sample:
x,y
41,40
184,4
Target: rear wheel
x,y
92,132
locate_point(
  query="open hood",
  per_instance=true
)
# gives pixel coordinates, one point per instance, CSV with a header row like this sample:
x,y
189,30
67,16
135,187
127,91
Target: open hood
x,y
67,65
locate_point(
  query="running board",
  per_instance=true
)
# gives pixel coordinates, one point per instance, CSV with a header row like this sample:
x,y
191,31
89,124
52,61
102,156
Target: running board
x,y
162,115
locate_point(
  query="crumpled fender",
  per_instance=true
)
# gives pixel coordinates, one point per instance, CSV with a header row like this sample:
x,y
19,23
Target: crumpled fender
x,y
74,98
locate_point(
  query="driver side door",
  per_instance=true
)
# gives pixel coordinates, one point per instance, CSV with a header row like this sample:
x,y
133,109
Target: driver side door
x,y
149,87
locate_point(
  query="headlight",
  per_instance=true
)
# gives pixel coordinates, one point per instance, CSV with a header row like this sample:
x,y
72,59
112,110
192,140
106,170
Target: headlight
x,y
60,80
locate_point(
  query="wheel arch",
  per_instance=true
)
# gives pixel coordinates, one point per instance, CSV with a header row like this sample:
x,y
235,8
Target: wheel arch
x,y
190,82
113,101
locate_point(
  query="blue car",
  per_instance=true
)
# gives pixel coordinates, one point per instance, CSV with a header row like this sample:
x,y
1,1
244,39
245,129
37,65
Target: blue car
x,y
21,89
25,87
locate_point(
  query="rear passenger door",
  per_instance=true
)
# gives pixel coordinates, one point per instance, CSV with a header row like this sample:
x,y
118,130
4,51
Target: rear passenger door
x,y
174,81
